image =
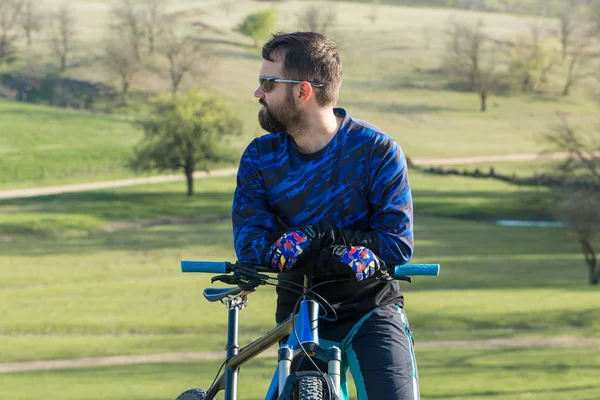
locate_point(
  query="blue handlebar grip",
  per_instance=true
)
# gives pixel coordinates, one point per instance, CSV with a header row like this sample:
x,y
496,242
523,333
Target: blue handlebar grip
x,y
211,267
417,269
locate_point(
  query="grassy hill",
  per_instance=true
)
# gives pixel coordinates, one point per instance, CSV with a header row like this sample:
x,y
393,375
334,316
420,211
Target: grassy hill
x,y
392,78
41,145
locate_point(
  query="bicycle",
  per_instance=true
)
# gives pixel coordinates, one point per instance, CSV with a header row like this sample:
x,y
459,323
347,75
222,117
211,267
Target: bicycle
x,y
300,328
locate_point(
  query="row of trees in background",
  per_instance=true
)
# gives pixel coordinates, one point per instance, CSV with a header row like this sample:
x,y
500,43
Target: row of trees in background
x,y
528,60
138,31
141,29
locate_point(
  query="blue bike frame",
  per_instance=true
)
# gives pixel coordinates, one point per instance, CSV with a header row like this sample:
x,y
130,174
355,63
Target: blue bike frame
x,y
302,331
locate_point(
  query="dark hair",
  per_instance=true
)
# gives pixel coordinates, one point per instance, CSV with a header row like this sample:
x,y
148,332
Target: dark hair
x,y
308,56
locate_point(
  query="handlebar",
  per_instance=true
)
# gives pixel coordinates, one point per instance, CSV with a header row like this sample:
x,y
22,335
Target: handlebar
x,y
397,271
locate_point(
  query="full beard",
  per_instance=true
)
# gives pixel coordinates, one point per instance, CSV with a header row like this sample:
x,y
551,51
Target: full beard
x,y
269,122
280,117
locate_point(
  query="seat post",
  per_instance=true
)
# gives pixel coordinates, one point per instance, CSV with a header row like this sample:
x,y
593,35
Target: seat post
x,y
231,374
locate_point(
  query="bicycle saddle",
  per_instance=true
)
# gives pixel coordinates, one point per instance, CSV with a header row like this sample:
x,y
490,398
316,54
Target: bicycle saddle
x,y
217,294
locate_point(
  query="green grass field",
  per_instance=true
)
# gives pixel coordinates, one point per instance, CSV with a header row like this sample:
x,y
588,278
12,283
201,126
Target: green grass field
x,y
97,273
493,374
105,286
42,146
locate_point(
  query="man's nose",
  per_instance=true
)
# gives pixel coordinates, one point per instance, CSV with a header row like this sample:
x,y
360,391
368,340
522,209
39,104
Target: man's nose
x,y
258,93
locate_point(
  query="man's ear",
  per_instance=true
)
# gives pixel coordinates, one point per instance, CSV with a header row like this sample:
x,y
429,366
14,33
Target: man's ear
x,y
305,92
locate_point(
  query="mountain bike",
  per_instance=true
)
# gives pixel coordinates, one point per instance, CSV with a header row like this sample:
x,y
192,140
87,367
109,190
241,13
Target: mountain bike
x,y
298,335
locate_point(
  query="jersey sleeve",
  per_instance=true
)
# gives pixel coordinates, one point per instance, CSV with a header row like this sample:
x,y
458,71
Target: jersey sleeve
x,y
254,223
391,202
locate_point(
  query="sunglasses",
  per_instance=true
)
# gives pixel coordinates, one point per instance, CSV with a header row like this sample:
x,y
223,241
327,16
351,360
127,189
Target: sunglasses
x,y
267,83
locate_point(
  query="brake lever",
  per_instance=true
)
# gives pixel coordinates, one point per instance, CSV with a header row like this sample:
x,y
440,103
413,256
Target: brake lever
x,y
247,271
403,278
228,279
244,276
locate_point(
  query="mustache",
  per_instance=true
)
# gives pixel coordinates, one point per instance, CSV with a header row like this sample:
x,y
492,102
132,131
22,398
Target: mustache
x,y
262,102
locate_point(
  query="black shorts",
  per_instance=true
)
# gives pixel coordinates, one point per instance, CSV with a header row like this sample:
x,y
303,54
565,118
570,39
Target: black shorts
x,y
379,353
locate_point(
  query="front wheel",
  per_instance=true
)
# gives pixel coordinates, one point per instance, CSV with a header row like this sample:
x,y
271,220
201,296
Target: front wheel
x,y
193,394
310,388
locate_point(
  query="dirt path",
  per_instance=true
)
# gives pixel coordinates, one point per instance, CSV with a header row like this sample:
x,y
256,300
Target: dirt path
x,y
51,190
218,355
83,187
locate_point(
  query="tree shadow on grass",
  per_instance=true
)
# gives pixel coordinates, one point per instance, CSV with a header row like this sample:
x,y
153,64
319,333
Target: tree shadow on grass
x,y
127,204
201,234
481,205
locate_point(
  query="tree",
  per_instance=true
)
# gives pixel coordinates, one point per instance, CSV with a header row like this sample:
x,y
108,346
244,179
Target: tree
x,y
317,19
577,201
62,32
31,20
121,61
469,56
594,17
153,23
185,133
10,12
577,59
128,19
374,11
533,57
569,22
181,53
464,50
258,25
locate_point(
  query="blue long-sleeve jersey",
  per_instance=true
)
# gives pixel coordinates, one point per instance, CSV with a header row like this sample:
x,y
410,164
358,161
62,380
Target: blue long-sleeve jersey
x,y
357,182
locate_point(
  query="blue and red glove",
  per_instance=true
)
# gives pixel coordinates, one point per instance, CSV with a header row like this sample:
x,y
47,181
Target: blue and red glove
x,y
363,262
286,250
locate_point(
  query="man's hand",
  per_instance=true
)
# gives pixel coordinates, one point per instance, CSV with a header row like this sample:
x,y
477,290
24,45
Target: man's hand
x,y
363,262
286,250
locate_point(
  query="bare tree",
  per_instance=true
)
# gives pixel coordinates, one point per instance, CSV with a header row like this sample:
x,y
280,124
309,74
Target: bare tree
x,y
374,11
464,50
578,59
470,55
128,18
31,19
62,34
10,12
121,62
182,53
577,201
155,18
569,23
594,17
318,19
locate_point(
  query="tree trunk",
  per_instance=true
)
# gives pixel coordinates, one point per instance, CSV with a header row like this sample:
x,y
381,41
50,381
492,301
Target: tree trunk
x,y
483,97
151,43
566,89
189,176
591,261
63,63
124,91
28,35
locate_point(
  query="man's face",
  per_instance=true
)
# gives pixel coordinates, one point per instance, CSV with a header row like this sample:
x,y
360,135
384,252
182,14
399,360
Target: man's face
x,y
278,112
